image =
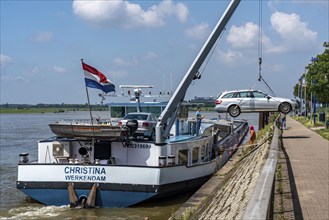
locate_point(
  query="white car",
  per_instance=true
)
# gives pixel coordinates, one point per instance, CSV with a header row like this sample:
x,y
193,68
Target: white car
x,y
237,101
146,123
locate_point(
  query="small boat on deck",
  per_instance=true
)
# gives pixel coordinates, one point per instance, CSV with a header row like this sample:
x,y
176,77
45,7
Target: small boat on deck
x,y
82,129
123,170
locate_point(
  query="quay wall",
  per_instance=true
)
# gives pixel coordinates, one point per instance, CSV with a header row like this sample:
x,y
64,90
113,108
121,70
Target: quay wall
x,y
259,204
243,183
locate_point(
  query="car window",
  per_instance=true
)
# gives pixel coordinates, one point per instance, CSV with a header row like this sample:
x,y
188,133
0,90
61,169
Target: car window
x,y
250,94
228,95
136,116
241,94
259,95
130,117
142,117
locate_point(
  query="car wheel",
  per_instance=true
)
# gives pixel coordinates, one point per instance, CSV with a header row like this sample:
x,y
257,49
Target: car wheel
x,y
285,108
152,137
234,111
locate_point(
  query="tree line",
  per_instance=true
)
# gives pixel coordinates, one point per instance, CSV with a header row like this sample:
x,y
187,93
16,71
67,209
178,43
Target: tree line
x,y
315,78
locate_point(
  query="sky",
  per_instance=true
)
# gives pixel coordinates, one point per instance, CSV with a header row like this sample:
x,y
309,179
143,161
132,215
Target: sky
x,y
154,43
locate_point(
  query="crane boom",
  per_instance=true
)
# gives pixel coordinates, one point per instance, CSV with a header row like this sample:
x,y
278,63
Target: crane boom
x,y
168,116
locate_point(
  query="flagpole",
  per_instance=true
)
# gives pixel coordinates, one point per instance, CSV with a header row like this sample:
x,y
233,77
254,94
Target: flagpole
x,y
91,117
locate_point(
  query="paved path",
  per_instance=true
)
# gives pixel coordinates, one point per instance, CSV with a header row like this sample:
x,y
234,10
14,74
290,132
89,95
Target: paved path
x,y
308,155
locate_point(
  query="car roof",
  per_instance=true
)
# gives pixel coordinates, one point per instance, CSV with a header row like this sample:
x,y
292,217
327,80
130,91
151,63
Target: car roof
x,y
242,90
140,113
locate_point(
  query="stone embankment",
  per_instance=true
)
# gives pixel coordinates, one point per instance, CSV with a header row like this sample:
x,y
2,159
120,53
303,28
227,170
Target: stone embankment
x,y
225,196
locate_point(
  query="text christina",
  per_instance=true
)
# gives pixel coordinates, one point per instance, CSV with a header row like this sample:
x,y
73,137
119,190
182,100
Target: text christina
x,y
85,170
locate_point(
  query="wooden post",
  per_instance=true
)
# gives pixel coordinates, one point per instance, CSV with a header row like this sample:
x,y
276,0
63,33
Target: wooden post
x,y
262,120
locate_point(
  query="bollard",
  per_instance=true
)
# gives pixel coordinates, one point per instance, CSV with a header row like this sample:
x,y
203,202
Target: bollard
x,y
24,158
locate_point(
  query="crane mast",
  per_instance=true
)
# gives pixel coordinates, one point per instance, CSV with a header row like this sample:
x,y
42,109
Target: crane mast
x,y
169,114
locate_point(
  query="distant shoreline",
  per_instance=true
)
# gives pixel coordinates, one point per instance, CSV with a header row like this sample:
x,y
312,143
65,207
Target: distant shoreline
x,y
46,110
34,110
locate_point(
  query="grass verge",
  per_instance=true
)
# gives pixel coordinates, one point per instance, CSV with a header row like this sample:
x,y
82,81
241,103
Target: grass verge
x,y
307,122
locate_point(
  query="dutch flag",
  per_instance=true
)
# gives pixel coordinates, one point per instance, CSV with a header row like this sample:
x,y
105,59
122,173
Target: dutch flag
x,y
96,79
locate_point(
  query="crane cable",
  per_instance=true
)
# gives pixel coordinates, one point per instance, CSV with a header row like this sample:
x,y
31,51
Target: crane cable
x,y
260,47
260,54
260,39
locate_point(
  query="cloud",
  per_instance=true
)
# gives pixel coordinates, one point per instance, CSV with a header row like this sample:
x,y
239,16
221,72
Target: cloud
x,y
13,79
230,56
150,55
35,71
42,36
275,68
5,60
59,69
246,39
118,74
244,36
294,33
20,79
199,32
22,76
123,14
121,62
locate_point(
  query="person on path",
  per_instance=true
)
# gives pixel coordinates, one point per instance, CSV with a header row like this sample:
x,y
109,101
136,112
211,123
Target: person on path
x,y
199,117
252,134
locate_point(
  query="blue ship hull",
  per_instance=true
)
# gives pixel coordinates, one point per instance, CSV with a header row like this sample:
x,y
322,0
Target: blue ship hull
x,y
59,197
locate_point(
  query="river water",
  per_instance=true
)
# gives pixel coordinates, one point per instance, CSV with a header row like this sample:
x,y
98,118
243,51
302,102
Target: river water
x,y
20,132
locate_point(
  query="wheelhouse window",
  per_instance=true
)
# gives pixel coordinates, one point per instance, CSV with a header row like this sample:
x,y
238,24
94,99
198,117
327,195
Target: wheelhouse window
x,y
153,109
206,156
203,152
208,152
195,155
131,109
182,156
118,112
